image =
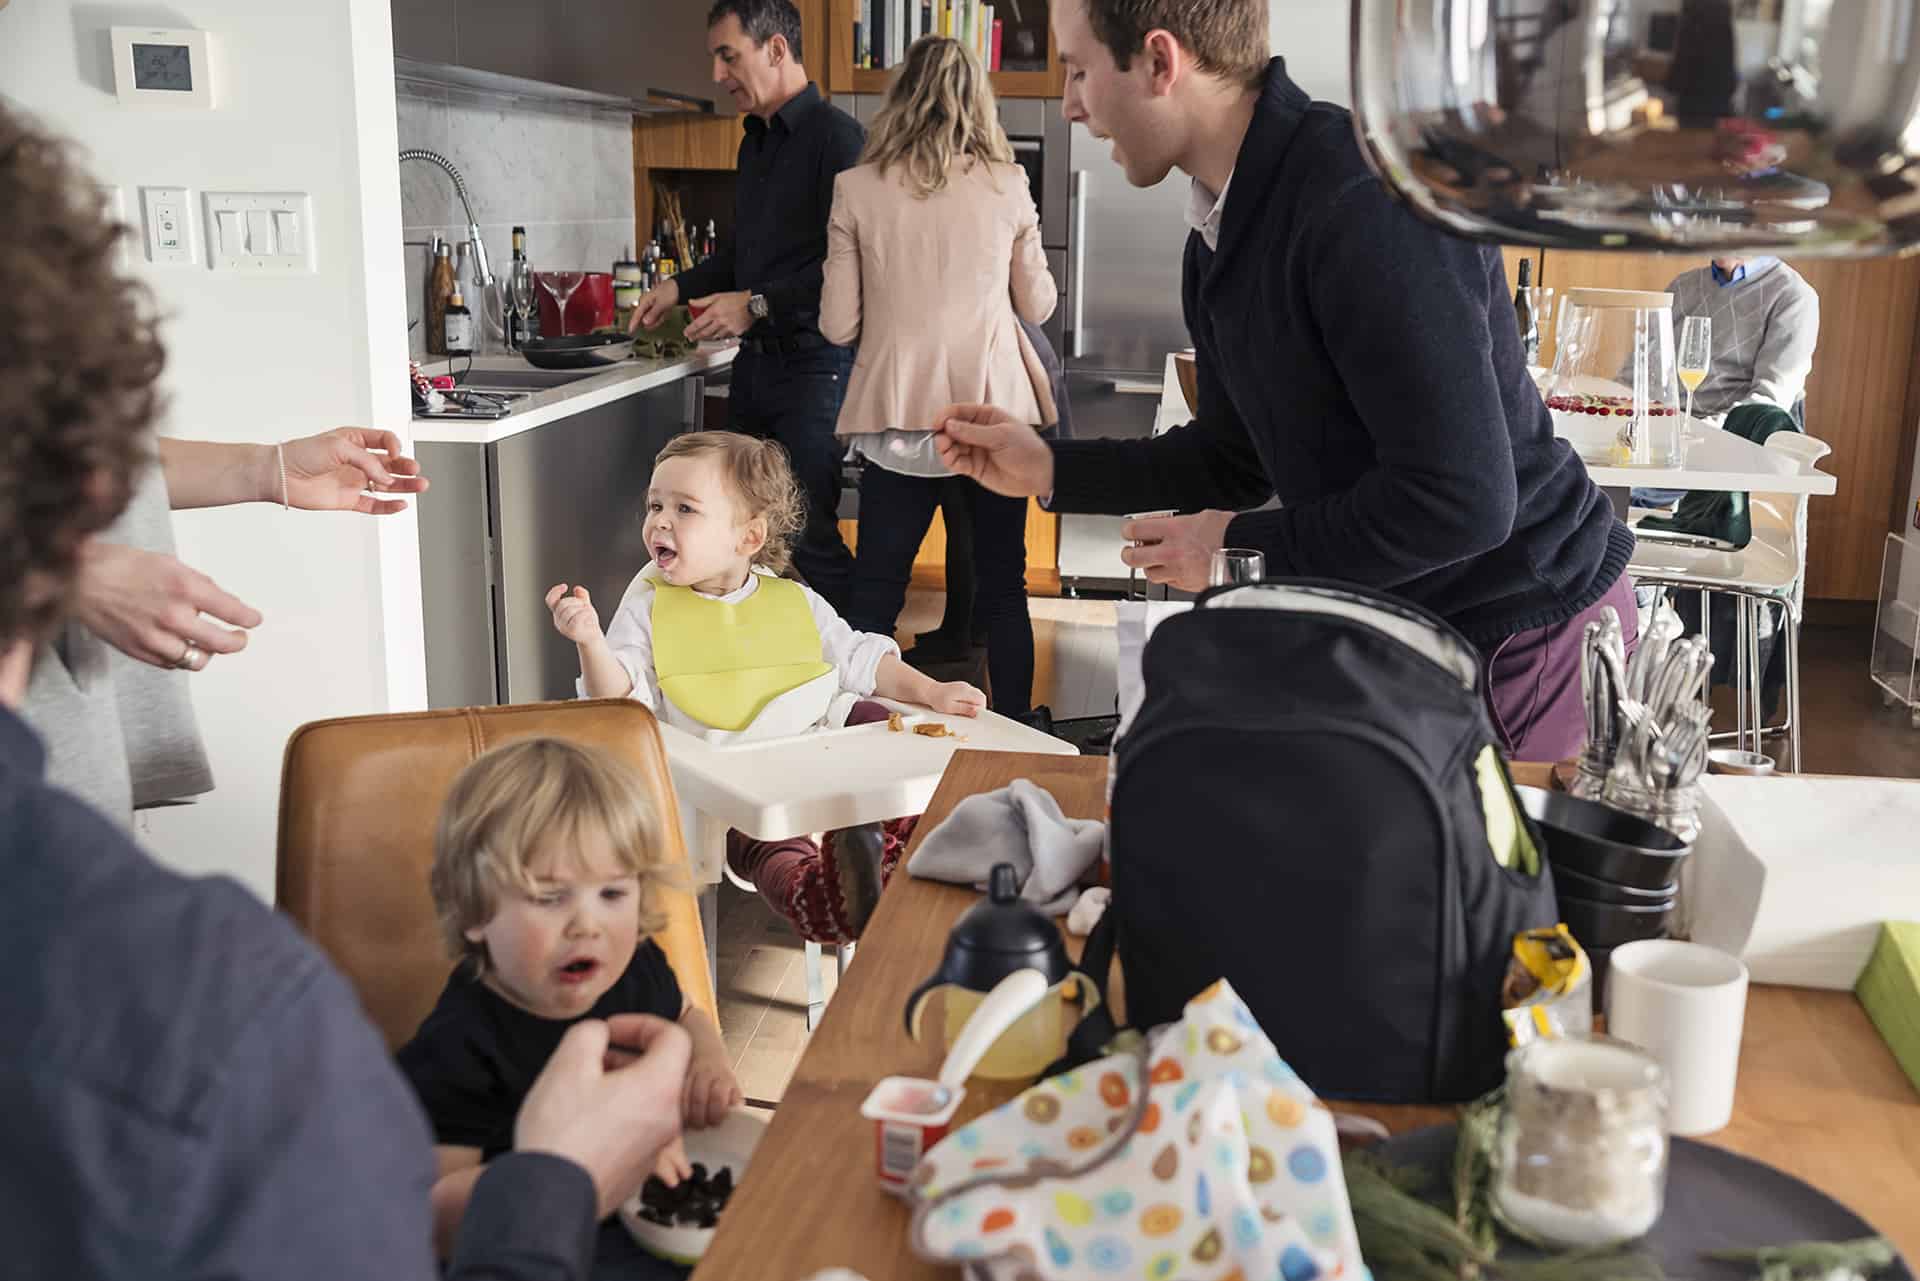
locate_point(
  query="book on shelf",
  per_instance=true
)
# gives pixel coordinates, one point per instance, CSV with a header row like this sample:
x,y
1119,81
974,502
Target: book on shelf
x,y
993,50
863,37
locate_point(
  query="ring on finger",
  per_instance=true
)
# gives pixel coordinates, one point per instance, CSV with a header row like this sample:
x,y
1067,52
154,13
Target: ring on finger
x,y
190,657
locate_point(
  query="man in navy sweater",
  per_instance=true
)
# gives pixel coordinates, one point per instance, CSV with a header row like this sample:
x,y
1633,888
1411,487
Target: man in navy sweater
x,y
1353,361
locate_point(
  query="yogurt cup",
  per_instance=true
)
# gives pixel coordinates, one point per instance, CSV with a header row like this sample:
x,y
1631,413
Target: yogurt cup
x,y
910,1114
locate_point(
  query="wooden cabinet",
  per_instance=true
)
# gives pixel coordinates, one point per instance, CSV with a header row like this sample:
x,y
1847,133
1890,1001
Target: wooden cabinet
x,y
842,77
1863,397
930,563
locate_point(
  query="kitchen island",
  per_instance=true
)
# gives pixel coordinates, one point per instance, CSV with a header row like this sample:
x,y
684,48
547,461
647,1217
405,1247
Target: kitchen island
x,y
552,492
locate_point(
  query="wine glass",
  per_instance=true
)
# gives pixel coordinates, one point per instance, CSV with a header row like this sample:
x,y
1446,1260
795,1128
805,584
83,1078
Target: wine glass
x,y
1696,352
520,295
560,286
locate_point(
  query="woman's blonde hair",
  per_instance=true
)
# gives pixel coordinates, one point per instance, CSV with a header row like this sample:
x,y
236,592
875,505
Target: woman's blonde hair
x,y
504,804
939,108
762,481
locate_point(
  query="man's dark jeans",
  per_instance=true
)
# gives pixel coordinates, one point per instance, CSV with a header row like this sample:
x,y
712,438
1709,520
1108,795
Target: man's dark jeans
x,y
794,397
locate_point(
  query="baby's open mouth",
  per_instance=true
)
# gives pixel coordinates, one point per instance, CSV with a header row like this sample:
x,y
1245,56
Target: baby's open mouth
x,y
665,556
574,971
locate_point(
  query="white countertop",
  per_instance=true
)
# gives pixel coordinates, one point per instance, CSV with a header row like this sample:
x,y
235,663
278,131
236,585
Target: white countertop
x,y
628,378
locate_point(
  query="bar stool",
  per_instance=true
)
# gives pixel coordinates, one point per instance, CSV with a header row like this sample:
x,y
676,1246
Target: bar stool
x,y
1771,569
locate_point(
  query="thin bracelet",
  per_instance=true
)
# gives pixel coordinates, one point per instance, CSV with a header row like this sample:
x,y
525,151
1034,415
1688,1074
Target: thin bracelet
x,y
280,450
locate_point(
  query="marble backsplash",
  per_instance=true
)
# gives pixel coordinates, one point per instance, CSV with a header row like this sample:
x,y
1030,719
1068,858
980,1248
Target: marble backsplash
x,y
563,171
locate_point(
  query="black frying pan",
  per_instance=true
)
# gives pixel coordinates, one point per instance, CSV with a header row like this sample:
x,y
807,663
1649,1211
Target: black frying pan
x,y
577,351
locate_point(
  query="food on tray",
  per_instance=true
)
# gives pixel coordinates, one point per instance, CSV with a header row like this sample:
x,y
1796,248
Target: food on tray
x,y
932,729
695,1202
1576,402
896,723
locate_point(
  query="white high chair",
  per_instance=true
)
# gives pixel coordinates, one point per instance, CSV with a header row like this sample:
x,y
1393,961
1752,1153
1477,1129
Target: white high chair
x,y
1771,569
771,789
813,960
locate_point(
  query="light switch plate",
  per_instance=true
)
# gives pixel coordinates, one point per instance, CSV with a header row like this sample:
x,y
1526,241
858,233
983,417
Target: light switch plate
x,y
168,215
267,233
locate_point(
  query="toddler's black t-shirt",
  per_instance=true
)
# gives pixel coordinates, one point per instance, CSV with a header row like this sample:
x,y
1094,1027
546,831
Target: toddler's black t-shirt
x,y
476,1056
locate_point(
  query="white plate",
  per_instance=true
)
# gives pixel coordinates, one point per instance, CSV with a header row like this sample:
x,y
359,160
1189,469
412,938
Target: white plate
x,y
728,1145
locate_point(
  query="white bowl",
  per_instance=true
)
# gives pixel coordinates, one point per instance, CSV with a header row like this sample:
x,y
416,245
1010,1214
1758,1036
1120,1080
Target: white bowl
x,y
728,1145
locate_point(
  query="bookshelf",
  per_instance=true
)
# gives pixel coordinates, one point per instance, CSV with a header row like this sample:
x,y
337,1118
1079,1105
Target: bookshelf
x,y
844,77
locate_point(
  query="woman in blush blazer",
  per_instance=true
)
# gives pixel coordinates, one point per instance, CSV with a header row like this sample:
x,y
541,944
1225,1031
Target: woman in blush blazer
x,y
933,250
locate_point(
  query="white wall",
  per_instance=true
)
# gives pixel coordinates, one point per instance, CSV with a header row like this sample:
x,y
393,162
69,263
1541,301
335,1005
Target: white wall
x,y
1314,36
305,103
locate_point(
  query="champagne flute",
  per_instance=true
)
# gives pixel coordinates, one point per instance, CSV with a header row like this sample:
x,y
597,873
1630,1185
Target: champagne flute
x,y
560,286
1696,351
520,294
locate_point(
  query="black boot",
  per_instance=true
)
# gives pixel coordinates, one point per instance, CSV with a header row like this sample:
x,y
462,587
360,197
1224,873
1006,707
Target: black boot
x,y
1040,718
857,853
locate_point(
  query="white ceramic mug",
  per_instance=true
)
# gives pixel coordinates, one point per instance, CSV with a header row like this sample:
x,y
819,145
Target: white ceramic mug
x,y
1685,1004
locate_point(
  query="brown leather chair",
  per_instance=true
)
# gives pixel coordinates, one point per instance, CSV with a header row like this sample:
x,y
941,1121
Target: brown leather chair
x,y
359,798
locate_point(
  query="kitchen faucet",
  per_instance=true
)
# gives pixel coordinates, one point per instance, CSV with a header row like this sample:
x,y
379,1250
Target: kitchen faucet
x,y
482,275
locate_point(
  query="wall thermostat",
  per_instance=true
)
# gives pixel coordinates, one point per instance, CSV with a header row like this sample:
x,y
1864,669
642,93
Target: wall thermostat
x,y
162,67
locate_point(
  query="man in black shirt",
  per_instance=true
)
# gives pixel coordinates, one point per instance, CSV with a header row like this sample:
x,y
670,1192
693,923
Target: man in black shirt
x,y
191,1089
763,286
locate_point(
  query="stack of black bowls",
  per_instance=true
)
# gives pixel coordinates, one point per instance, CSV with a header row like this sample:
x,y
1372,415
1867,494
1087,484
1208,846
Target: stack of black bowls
x,y
1616,875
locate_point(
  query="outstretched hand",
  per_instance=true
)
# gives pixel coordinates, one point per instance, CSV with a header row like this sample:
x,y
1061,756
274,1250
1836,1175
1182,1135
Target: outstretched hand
x,y
347,469
988,445
608,1109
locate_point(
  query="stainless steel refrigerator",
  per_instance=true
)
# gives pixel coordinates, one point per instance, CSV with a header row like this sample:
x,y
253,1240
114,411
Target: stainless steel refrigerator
x,y
1122,304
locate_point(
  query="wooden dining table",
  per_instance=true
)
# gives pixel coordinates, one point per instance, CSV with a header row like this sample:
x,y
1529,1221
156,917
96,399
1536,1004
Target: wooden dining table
x,y
1819,1096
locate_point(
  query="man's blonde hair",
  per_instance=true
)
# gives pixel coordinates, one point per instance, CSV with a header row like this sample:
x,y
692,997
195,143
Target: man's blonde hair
x,y
761,480
939,108
504,804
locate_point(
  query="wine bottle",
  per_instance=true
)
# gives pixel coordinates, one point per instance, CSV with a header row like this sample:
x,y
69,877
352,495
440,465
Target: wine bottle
x,y
459,326
1523,312
519,293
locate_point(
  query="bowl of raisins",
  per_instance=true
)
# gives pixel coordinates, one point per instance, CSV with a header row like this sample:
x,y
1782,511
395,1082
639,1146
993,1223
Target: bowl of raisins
x,y
677,1223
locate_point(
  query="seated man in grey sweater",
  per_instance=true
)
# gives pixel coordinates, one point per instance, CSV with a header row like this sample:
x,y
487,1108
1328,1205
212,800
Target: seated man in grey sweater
x,y
1766,319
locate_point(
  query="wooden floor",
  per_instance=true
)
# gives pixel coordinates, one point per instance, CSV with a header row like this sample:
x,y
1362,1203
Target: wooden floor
x,y
762,976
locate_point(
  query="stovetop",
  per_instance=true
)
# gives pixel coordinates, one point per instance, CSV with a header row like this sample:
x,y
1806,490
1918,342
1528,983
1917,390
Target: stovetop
x,y
471,403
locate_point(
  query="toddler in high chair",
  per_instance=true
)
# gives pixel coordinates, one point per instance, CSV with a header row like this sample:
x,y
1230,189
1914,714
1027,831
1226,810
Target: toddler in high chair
x,y
546,864
712,639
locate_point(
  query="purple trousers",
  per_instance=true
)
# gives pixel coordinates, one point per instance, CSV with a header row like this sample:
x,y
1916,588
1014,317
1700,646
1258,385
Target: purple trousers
x,y
1533,681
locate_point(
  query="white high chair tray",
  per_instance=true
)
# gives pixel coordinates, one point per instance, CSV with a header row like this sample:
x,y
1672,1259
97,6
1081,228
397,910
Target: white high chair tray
x,y
1720,460
781,787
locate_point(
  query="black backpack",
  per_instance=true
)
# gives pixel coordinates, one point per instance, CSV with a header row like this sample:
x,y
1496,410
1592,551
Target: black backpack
x,y
1307,804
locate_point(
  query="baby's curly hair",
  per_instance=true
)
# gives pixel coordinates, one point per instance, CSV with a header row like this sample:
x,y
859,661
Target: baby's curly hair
x,y
761,479
77,375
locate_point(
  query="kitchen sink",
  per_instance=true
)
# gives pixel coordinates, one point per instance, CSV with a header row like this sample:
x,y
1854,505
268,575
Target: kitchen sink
x,y
527,379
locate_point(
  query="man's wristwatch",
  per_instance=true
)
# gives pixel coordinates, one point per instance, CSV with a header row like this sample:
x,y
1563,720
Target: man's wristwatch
x,y
757,306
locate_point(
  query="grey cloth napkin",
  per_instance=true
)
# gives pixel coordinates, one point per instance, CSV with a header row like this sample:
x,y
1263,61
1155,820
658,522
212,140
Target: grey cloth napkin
x,y
1019,824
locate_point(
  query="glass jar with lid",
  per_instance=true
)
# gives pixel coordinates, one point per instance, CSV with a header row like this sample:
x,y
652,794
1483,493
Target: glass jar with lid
x,y
1581,1155
1614,391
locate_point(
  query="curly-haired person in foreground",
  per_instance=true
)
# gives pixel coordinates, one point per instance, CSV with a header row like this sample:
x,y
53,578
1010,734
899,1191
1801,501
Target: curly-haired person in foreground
x,y
194,1091
712,639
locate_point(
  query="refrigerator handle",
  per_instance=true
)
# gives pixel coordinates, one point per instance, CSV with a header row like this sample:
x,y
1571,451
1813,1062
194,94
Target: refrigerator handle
x,y
1077,268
